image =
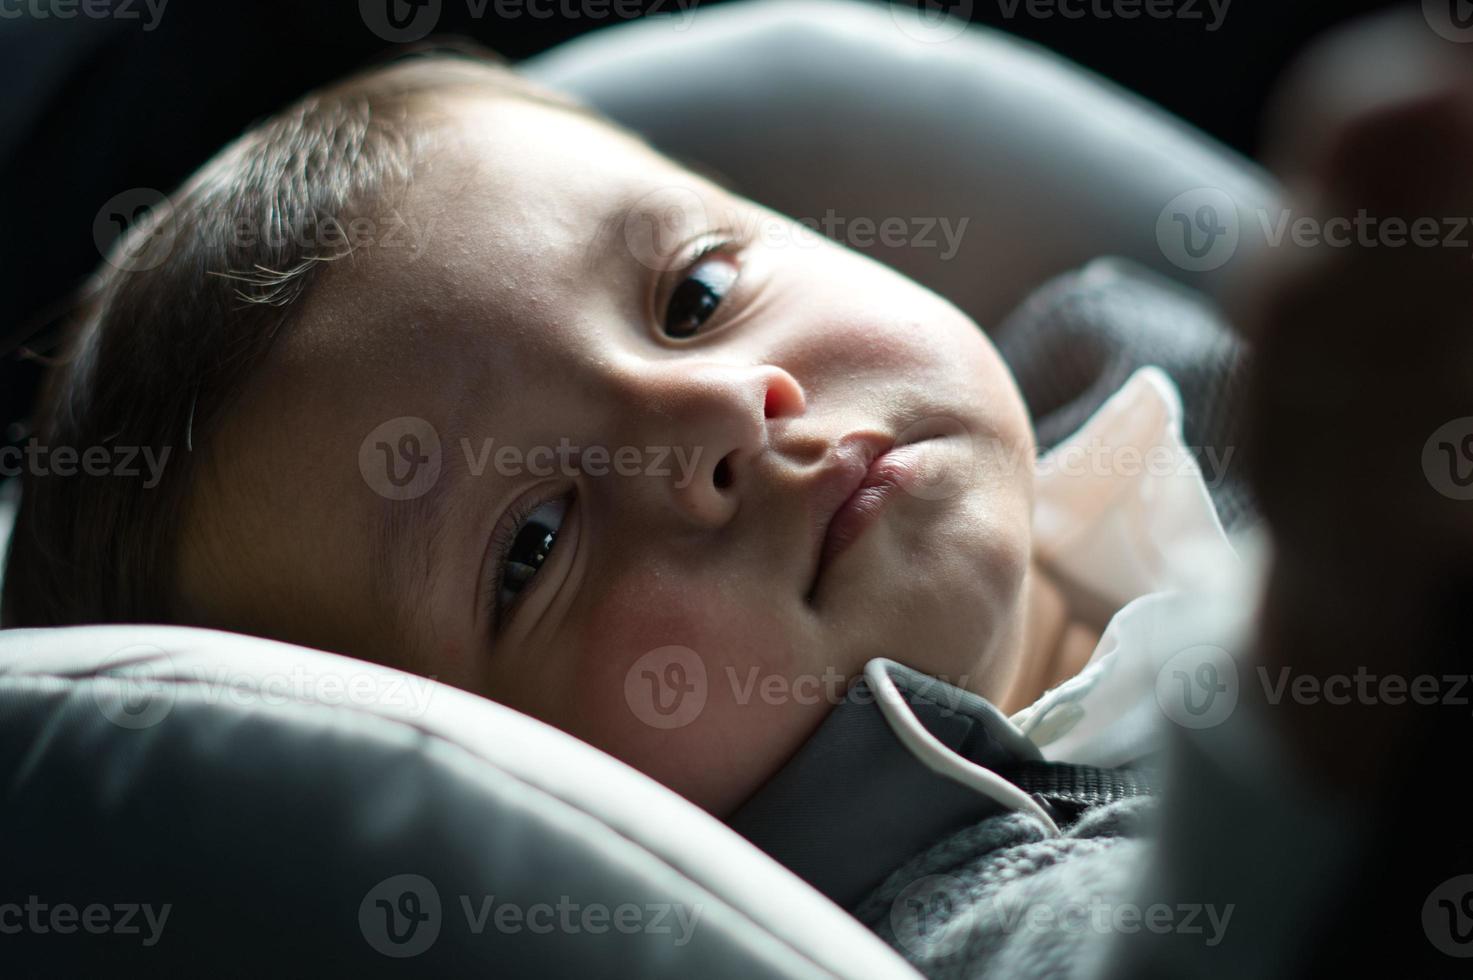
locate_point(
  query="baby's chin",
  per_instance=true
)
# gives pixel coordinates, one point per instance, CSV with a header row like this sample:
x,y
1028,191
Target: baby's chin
x,y
943,595
969,637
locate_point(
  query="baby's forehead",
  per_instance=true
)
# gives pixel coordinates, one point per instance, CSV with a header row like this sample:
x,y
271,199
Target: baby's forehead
x,y
544,176
517,209
506,181
521,158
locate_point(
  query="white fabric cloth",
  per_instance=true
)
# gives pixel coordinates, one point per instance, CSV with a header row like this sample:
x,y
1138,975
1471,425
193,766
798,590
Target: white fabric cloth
x,y
1123,516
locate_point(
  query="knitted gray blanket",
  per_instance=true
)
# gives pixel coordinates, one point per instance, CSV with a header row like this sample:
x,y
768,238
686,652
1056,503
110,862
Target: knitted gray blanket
x,y
1000,899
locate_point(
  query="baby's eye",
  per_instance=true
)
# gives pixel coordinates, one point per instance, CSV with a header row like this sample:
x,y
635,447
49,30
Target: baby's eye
x,y
531,544
695,300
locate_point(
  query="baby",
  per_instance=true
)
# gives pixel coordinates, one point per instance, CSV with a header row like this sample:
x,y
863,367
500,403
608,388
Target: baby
x,y
463,379
456,376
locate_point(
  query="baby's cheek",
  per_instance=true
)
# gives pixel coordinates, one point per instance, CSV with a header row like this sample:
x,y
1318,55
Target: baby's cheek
x,y
692,686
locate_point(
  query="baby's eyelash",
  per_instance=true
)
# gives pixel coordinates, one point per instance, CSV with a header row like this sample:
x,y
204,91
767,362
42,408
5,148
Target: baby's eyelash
x,y
724,247
711,243
502,539
708,249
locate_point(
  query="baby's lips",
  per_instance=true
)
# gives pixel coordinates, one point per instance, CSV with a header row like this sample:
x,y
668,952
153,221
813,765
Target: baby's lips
x,y
935,458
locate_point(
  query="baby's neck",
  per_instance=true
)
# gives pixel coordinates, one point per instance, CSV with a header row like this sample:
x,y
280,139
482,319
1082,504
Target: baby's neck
x,y
1056,641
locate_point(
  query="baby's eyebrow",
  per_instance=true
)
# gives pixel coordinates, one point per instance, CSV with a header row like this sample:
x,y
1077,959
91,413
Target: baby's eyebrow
x,y
402,542
641,204
610,227
408,537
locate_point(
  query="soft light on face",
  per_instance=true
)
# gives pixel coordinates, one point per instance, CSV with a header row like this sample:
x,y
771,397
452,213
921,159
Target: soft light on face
x,y
648,396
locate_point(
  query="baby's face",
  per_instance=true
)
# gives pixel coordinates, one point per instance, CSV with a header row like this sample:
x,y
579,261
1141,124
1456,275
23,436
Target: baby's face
x,y
639,449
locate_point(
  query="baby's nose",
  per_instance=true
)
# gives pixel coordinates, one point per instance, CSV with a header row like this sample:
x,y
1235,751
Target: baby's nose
x,y
715,421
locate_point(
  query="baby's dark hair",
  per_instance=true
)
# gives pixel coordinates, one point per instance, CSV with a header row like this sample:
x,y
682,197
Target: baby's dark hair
x,y
167,332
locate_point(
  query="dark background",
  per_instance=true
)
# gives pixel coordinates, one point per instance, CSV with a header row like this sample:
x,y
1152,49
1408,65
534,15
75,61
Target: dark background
x,y
92,107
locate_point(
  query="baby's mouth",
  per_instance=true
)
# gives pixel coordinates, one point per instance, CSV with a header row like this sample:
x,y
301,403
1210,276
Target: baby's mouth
x,y
867,472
